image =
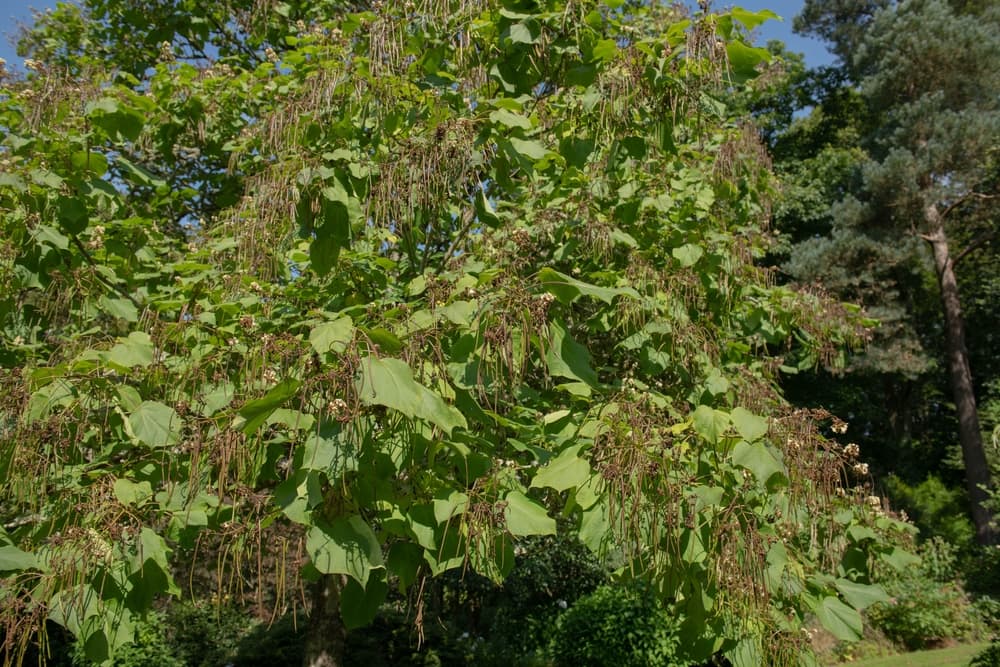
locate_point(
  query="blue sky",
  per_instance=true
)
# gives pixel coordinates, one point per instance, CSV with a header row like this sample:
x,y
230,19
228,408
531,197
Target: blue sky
x,y
14,11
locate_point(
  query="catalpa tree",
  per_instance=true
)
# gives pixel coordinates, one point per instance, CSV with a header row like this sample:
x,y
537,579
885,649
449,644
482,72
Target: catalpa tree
x,y
380,289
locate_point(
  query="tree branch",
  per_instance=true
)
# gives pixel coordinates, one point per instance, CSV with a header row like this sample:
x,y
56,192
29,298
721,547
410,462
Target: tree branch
x,y
977,242
107,283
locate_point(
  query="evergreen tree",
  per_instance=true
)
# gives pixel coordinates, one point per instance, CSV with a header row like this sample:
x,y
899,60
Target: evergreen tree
x,y
921,205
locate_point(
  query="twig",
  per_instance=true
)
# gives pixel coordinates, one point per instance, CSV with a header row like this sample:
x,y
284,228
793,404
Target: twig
x,y
105,281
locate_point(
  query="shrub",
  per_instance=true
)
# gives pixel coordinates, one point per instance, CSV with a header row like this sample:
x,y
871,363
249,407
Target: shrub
x,y
206,635
988,657
936,509
551,574
982,571
151,647
615,625
928,605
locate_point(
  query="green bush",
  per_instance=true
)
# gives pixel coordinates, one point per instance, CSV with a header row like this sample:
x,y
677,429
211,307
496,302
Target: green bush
x,y
551,574
935,508
988,657
982,571
151,647
616,625
206,635
928,605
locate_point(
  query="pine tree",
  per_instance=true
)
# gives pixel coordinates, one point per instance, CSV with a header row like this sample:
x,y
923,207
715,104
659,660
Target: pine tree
x,y
928,73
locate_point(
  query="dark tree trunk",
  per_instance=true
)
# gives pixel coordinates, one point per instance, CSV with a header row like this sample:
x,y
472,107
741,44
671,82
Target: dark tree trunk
x,y
325,636
977,472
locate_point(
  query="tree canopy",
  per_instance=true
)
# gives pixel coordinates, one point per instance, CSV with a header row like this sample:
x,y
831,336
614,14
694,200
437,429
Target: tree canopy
x,y
893,207
383,288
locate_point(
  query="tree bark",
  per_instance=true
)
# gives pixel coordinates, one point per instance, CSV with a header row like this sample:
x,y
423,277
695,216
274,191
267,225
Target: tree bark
x,y
977,472
326,636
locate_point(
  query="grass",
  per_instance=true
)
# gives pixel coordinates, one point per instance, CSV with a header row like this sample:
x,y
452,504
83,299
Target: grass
x,y
957,656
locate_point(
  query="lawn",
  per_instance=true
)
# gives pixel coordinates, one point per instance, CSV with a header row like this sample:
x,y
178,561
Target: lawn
x,y
957,656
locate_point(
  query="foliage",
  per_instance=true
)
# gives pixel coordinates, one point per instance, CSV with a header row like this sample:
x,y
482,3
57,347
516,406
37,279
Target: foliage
x,y
152,648
982,571
928,605
382,292
988,657
936,509
551,574
907,132
616,625
205,635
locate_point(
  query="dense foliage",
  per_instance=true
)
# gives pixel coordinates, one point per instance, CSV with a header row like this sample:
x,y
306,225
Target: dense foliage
x,y
339,297
893,182
618,626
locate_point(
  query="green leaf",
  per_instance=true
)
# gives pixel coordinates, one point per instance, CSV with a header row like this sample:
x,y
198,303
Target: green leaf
x,y
710,423
47,235
89,161
13,181
563,472
359,604
120,308
485,211
744,59
758,459
605,49
526,517
137,174
900,559
128,398
748,425
404,560
860,596
387,341
460,312
323,254
155,424
510,119
332,336
257,411
390,382
687,254
752,19
73,214
527,31
840,620
346,545
445,508
567,358
568,289
136,350
131,493
12,558
529,149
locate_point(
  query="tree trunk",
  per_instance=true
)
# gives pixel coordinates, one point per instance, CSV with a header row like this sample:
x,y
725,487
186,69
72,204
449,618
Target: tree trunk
x,y
977,472
325,636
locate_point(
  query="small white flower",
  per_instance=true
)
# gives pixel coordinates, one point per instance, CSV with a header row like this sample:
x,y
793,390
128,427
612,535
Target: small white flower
x,y
860,469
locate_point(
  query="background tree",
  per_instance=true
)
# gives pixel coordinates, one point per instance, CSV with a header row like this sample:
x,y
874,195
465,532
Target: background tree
x,y
382,291
917,165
